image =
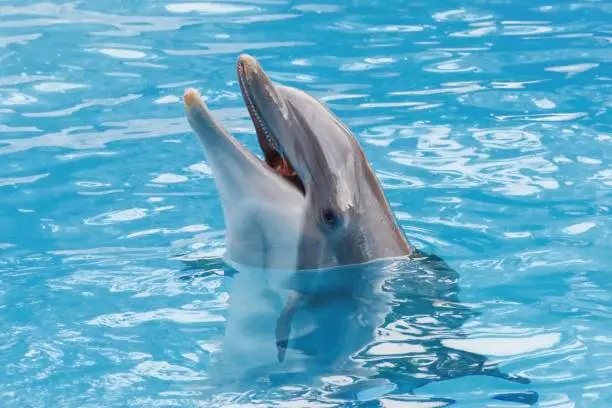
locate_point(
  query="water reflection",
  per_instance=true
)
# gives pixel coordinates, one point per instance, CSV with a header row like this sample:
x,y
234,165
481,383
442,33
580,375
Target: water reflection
x,y
385,327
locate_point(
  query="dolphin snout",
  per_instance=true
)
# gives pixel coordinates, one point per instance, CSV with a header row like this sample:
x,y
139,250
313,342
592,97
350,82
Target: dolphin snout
x,y
249,66
192,98
199,116
259,90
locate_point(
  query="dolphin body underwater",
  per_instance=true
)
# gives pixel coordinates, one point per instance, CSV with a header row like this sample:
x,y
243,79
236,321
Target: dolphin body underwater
x,y
304,227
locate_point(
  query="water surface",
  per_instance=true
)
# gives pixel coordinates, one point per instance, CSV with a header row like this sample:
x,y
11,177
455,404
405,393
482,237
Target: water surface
x,y
488,124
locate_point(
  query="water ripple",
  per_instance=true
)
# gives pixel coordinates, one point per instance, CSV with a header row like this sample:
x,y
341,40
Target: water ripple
x,y
12,181
167,372
208,8
487,123
82,139
48,14
86,104
174,315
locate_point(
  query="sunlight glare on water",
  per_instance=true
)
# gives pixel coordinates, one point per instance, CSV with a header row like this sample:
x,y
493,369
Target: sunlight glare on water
x,y
488,124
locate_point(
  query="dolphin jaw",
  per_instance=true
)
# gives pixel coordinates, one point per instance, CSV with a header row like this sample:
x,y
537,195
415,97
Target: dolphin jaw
x,y
273,153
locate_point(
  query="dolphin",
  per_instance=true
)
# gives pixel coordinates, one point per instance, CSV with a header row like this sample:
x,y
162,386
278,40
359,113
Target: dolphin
x,y
304,227
314,201
311,204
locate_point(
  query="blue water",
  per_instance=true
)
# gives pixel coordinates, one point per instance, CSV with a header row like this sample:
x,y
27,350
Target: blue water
x,y
488,124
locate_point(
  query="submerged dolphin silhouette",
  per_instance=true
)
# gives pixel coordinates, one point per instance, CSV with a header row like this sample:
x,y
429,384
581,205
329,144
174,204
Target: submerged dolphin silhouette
x,y
302,227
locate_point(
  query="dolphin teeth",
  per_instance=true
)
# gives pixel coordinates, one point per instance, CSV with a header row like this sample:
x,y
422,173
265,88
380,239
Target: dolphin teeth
x,y
276,159
254,114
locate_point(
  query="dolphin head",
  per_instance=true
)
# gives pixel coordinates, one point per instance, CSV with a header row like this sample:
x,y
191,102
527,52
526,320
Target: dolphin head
x,y
306,137
347,219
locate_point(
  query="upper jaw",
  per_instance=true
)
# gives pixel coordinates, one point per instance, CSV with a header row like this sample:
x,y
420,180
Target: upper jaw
x,y
256,88
246,68
261,98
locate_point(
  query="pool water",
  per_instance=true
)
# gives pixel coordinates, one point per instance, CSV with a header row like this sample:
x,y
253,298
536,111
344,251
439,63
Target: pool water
x,y
488,124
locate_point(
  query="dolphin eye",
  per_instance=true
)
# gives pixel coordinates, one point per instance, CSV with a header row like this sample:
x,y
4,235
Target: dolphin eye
x,y
330,218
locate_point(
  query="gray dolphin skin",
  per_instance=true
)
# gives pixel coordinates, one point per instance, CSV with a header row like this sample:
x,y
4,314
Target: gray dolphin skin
x,y
314,202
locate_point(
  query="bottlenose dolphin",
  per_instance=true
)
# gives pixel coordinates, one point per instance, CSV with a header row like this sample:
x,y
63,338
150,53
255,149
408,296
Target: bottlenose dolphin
x,y
304,226
314,202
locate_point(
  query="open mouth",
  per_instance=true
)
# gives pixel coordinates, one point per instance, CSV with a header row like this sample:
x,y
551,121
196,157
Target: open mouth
x,y
273,156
